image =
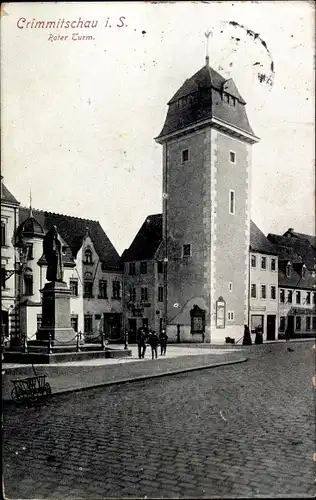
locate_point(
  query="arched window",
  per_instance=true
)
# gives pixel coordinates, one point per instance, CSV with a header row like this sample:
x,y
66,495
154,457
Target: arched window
x,y
88,256
28,281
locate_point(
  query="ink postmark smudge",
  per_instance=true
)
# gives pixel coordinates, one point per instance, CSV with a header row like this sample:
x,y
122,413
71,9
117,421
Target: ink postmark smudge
x,y
265,75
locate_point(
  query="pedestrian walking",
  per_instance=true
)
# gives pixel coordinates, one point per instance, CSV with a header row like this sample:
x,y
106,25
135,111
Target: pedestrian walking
x,y
163,337
287,338
153,341
247,337
141,341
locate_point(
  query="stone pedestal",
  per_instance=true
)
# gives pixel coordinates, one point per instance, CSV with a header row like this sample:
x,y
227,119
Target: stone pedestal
x,y
56,315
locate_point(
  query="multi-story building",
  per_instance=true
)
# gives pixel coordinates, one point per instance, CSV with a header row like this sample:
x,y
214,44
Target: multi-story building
x,y
143,279
296,276
263,285
207,142
9,264
92,271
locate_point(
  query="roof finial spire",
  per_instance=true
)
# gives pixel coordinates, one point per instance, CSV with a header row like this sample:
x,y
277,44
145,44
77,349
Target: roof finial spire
x,y
31,211
208,33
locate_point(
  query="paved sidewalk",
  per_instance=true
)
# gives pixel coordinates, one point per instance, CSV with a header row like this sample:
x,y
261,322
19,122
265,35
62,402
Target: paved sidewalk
x,y
72,376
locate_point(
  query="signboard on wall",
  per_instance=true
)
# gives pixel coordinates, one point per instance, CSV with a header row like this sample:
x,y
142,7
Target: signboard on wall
x,y
220,313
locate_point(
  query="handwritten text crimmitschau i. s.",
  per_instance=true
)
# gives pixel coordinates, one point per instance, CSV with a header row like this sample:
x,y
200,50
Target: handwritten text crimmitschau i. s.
x,y
24,23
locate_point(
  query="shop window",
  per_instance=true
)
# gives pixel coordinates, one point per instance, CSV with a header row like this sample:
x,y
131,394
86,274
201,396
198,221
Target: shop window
x,y
282,323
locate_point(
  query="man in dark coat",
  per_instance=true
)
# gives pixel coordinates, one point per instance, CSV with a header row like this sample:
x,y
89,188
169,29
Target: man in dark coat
x,y
153,341
141,341
163,337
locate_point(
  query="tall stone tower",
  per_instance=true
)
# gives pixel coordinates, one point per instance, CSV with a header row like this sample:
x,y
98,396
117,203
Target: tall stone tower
x,y
207,144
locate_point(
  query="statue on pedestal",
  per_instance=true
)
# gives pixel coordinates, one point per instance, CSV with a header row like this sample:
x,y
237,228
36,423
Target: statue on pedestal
x,y
52,248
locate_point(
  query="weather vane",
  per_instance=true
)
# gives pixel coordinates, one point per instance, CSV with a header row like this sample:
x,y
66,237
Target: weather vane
x,y
208,33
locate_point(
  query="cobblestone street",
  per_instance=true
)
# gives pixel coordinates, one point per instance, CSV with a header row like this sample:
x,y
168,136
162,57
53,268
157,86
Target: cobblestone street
x,y
245,430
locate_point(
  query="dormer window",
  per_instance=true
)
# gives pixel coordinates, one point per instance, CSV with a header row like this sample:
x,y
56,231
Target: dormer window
x,y
88,256
288,269
304,271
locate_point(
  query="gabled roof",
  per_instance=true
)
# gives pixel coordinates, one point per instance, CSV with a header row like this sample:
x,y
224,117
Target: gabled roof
x,y
7,197
146,241
292,247
201,100
259,242
73,230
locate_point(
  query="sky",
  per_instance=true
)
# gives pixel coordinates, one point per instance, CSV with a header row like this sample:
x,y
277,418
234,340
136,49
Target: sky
x,y
79,117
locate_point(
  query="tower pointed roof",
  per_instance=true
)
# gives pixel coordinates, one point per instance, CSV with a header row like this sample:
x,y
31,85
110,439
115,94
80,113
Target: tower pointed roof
x,y
207,98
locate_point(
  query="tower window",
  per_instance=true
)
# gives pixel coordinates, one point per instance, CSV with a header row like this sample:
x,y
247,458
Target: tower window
x,y
28,283
232,202
232,157
185,155
186,250
230,315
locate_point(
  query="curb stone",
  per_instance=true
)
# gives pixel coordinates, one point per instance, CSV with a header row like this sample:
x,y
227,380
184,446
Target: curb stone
x,y
149,376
